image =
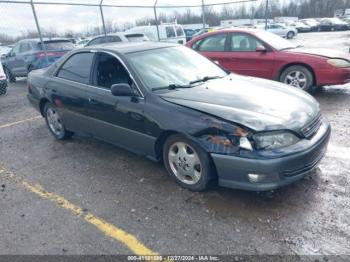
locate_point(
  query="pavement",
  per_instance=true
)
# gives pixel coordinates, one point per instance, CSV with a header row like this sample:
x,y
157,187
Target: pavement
x,y
86,197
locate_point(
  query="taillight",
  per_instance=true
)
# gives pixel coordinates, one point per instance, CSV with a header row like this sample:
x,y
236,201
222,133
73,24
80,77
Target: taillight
x,y
42,54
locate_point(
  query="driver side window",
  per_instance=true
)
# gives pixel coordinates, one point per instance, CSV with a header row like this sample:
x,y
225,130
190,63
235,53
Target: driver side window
x,y
244,43
109,71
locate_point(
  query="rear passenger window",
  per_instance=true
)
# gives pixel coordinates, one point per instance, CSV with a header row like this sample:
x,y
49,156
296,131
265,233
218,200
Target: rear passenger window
x,y
25,47
170,31
215,43
112,39
77,68
96,41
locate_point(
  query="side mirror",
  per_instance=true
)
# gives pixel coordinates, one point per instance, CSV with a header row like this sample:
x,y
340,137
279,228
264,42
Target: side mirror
x,y
122,90
261,48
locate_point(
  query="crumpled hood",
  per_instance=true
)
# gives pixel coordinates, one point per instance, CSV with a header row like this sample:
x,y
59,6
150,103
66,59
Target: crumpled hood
x,y
252,102
320,52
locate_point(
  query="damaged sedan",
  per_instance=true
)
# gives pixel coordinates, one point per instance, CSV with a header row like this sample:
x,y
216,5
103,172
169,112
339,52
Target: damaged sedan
x,y
170,104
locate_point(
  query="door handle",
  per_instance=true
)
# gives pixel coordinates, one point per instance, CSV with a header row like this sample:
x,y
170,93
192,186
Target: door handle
x,y
93,101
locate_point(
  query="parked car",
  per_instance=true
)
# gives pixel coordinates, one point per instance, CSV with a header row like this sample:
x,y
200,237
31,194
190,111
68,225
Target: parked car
x,y
189,34
333,24
117,37
280,30
241,132
4,50
203,31
29,54
263,54
82,43
3,81
167,32
301,27
313,23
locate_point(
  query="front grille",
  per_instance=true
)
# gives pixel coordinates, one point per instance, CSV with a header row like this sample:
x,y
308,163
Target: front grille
x,y
312,127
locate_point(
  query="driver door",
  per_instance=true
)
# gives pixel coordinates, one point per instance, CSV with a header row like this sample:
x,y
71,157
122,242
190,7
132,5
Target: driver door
x,y
247,57
118,120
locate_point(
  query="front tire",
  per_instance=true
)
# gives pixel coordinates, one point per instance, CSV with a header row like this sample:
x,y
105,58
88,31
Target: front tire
x,y
9,76
188,163
55,123
298,76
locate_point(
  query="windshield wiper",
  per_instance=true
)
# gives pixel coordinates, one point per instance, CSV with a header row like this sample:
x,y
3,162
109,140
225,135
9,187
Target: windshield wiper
x,y
205,79
171,87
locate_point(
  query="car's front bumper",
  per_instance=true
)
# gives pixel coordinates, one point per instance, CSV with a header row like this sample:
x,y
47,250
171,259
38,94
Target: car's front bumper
x,y
334,76
278,171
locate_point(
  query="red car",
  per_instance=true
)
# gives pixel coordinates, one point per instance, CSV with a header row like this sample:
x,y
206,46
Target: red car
x,y
263,54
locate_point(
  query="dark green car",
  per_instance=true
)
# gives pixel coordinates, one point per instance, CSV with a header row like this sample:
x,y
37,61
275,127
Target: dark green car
x,y
167,102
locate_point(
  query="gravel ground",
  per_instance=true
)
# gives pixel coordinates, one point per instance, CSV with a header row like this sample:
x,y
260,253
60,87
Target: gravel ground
x,y
135,194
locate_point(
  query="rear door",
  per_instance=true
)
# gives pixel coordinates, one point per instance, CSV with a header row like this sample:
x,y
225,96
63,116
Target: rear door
x,y
67,90
215,48
13,61
245,56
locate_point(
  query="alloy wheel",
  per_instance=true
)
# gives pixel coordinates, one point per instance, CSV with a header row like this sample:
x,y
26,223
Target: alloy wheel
x,y
185,163
54,121
296,79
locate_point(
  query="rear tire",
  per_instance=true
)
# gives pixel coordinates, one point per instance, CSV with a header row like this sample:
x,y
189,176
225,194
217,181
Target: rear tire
x,y
188,163
55,123
298,76
290,35
3,88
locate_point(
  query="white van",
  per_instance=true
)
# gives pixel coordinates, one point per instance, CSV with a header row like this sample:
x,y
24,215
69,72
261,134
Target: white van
x,y
167,32
3,81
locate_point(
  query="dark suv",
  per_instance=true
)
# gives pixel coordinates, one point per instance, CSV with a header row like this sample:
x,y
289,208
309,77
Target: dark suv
x,y
29,54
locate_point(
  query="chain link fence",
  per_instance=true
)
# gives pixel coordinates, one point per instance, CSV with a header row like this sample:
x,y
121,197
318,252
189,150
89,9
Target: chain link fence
x,y
79,20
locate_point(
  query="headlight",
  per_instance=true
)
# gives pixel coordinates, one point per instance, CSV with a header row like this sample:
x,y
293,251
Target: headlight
x,y
274,140
340,63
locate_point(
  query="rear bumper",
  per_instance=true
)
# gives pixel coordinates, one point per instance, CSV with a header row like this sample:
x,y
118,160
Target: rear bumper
x,y
233,171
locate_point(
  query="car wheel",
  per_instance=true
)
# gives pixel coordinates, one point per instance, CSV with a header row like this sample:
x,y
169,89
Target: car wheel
x,y
3,88
290,35
55,123
188,163
9,76
298,76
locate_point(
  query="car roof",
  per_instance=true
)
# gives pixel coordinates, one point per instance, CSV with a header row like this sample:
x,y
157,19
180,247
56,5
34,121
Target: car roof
x,y
130,47
37,40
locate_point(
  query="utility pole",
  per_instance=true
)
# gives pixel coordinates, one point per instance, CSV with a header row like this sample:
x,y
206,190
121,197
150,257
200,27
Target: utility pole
x,y
266,13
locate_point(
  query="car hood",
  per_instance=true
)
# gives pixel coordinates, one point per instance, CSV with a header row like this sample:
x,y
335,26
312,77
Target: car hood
x,y
255,103
329,53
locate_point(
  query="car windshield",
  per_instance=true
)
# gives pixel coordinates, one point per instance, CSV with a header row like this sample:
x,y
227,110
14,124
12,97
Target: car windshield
x,y
177,66
275,41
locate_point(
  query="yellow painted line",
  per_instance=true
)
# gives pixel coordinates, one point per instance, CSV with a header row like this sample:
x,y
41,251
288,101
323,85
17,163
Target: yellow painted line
x,y
106,228
20,122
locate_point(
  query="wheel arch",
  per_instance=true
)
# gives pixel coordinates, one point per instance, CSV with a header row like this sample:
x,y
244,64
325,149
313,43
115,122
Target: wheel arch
x,y
42,104
280,72
161,140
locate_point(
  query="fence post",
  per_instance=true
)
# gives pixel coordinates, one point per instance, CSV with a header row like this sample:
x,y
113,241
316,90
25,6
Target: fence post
x,y
266,13
103,20
203,14
39,31
156,18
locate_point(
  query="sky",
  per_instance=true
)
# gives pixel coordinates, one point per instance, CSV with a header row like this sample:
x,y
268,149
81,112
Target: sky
x,y
17,18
